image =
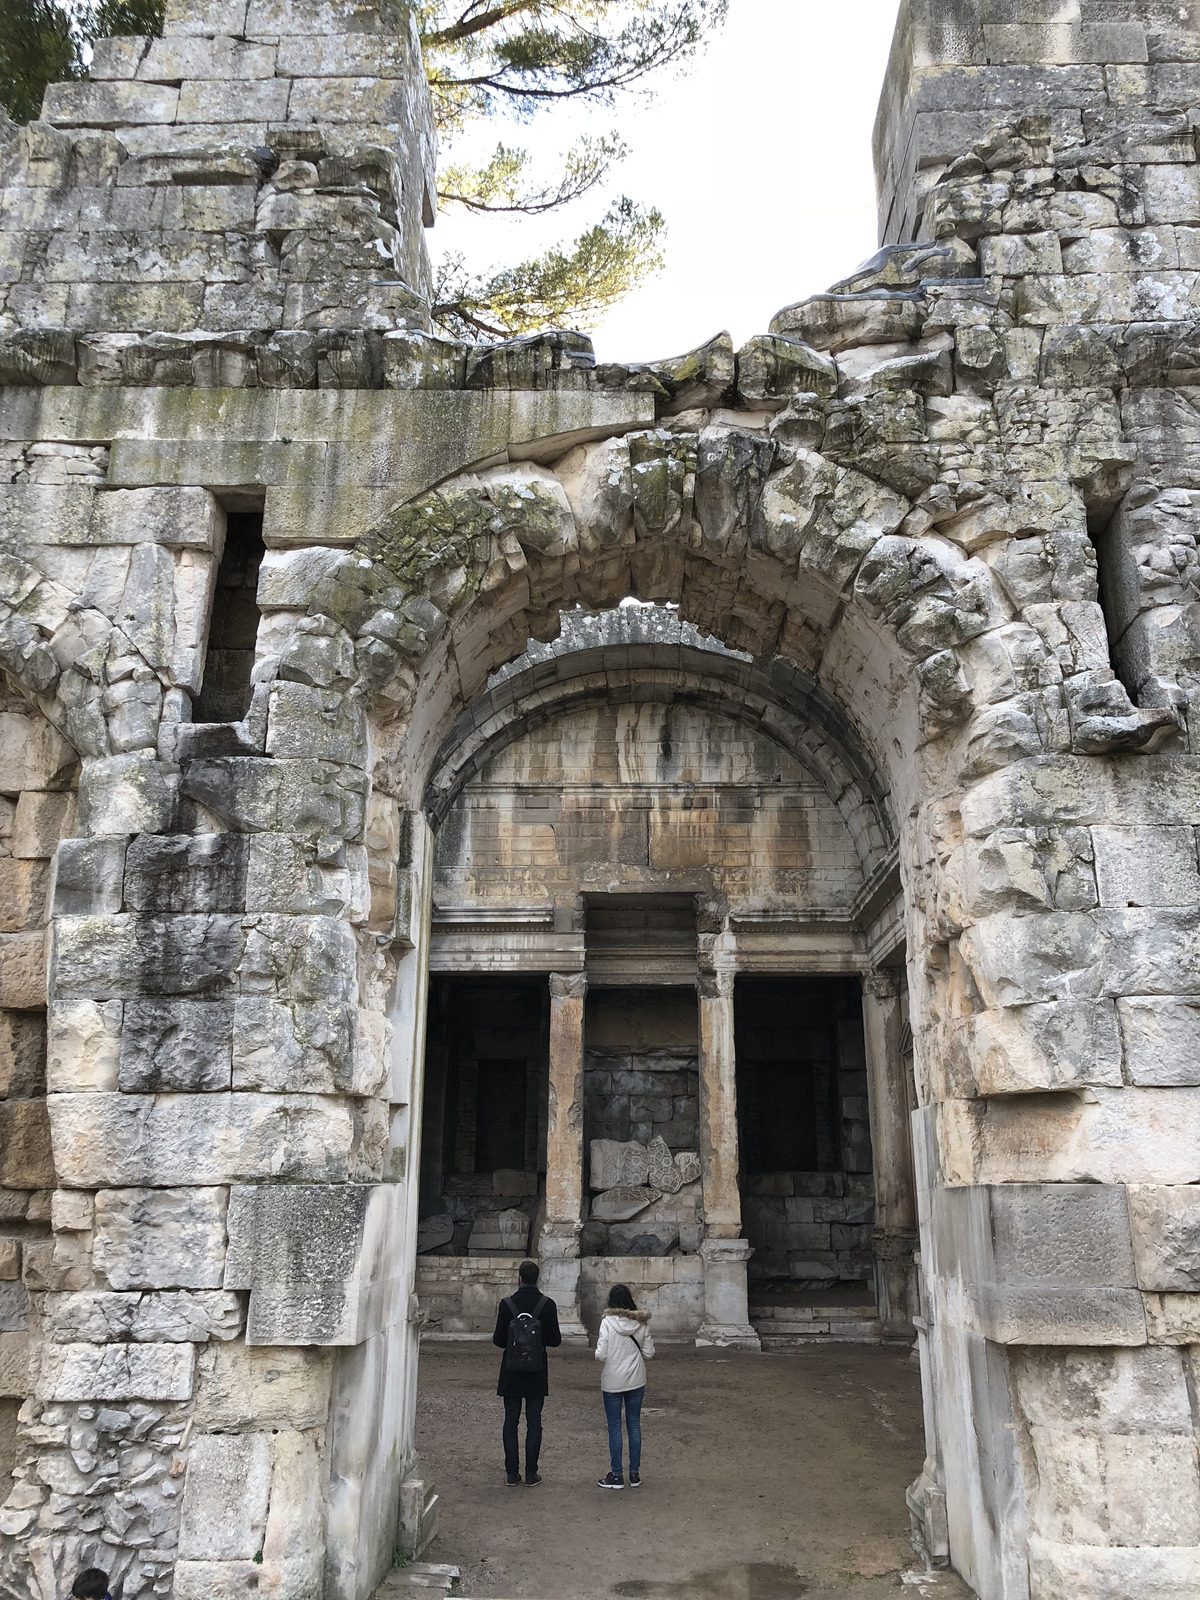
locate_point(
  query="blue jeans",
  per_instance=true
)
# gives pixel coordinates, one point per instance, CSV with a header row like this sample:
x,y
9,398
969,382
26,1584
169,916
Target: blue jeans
x,y
633,1422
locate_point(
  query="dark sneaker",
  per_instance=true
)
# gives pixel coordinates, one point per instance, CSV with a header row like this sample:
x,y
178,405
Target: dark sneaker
x,y
611,1480
531,1478
635,1479
513,1483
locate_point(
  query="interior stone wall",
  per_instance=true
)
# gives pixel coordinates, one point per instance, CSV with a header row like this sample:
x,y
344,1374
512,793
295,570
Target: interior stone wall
x,y
645,795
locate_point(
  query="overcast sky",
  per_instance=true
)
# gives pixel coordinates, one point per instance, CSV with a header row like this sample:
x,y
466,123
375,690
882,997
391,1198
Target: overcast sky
x,y
759,157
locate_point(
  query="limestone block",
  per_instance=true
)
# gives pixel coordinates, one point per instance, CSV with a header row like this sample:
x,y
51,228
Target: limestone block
x,y
1161,1039
90,1372
688,1162
10,1260
1150,866
435,1231
161,1238
623,1202
299,1047
1119,1135
41,820
109,105
641,1238
257,100
1072,1571
83,1044
1013,255
1171,193
1063,1233
26,1161
180,1046
173,1317
89,876
126,1139
22,1054
308,959
14,1366
833,323
1172,1318
285,874
1166,1236
186,873
225,1494
23,971
663,1173
33,754
126,794
504,1230
415,360
771,368
131,955
1052,1046
220,1580
318,724
294,1542
14,1307
239,1388
320,1262
183,518
72,1211
1022,960
613,1162
256,795
288,579
170,60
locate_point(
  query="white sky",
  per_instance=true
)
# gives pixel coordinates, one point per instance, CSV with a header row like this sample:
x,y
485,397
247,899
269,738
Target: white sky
x,y
759,157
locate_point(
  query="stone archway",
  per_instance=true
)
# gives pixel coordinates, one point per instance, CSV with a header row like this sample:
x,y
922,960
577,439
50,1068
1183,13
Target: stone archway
x,y
890,491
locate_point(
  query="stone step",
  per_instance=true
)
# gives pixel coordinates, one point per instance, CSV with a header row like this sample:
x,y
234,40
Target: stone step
x,y
820,1333
420,1580
780,1311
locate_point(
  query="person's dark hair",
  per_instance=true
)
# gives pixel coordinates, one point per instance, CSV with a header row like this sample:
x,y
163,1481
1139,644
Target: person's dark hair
x,y
620,1299
91,1584
528,1272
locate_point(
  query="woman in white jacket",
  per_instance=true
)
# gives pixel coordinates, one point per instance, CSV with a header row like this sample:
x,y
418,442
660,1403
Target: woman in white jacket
x,y
624,1346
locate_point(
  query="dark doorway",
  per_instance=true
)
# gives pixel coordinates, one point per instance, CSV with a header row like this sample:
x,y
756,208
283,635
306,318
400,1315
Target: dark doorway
x,y
484,1114
804,1131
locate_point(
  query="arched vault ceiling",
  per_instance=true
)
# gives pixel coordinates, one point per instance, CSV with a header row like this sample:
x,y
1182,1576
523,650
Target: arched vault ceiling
x,y
776,698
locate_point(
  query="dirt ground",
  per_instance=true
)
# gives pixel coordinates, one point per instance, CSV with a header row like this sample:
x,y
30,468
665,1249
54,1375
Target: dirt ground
x,y
765,1477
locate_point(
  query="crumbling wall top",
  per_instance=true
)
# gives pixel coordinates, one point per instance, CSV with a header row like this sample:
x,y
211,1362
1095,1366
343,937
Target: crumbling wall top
x,y
261,167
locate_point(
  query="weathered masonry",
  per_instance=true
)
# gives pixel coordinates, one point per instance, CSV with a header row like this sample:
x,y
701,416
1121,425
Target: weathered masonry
x,y
729,821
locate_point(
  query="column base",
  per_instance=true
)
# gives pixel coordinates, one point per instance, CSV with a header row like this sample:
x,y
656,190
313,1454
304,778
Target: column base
x,y
559,1280
726,1310
727,1336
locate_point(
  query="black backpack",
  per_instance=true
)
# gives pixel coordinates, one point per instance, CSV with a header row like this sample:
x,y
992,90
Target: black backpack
x,y
524,1352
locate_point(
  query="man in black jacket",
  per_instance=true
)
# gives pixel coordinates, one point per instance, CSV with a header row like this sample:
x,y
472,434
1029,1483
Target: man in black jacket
x,y
531,1387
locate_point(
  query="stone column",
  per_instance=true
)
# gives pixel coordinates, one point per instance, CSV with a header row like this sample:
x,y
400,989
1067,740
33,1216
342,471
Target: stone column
x,y
559,1246
895,1238
724,1252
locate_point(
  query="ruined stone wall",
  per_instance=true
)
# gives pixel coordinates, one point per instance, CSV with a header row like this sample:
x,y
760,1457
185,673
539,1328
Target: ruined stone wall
x,y
224,205
38,772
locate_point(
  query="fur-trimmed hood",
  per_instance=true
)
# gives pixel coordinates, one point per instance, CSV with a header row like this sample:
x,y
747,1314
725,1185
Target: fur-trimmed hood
x,y
631,1316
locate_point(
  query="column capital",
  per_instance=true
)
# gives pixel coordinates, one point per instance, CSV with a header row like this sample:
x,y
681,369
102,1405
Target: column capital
x,y
881,983
725,1250
715,985
568,985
